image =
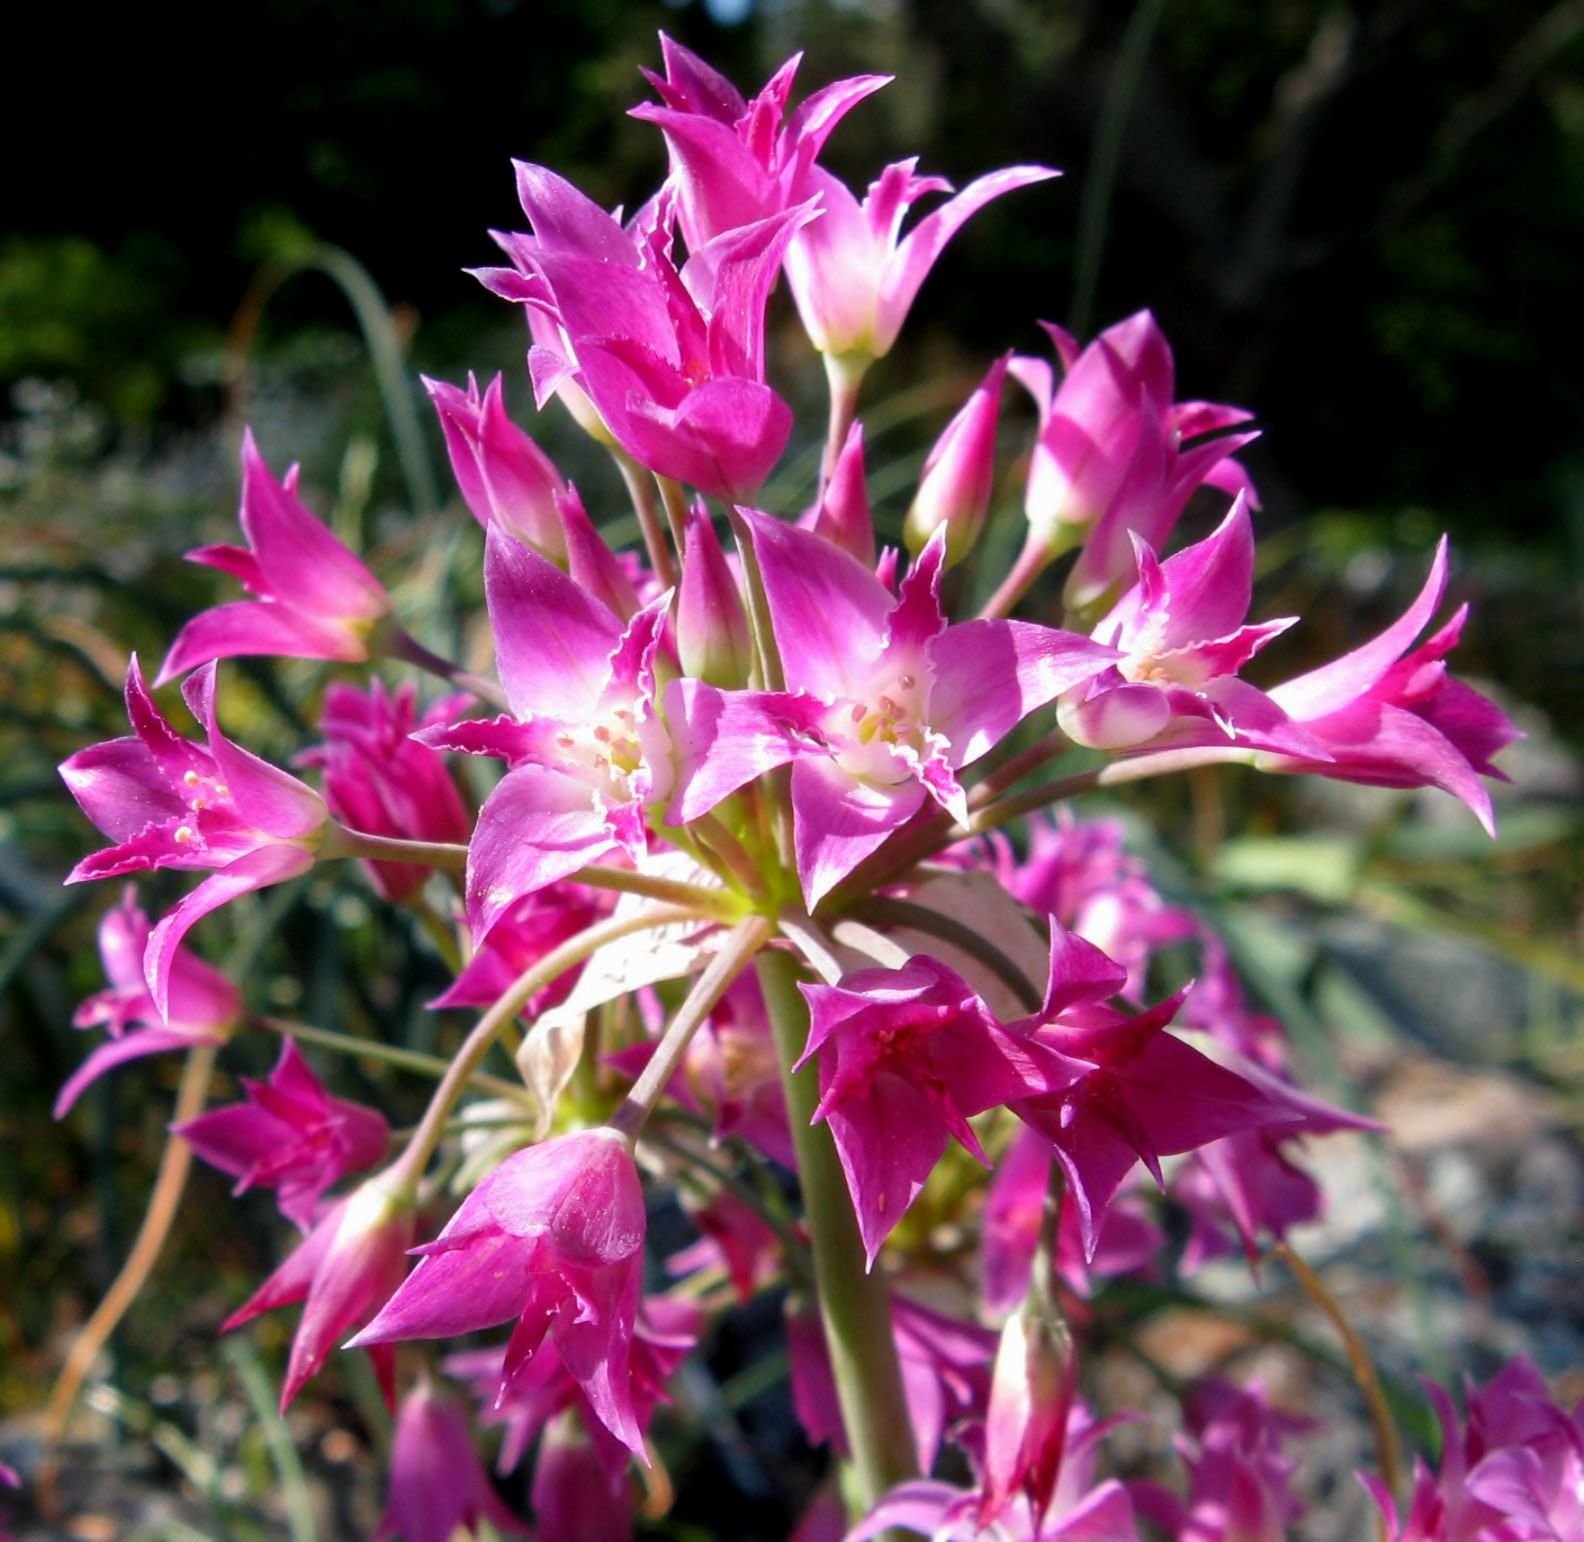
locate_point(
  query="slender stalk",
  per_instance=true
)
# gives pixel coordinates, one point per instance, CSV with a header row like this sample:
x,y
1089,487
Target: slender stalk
x,y
169,1181
1035,557
714,903
410,1165
339,841
1388,1452
412,1060
734,956
641,490
855,1306
446,943
398,643
675,501
1024,763
845,375
736,865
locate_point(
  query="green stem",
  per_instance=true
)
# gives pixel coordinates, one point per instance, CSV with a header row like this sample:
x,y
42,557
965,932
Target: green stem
x,y
410,1165
844,373
1035,557
412,1060
397,643
675,501
855,1306
641,490
714,903
735,955
338,841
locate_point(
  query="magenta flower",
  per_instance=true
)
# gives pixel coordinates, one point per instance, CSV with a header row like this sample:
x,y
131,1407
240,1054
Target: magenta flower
x,y
1513,1470
437,1486
203,1006
1109,461
577,1496
734,1239
855,276
290,1135
313,598
343,1271
1391,718
165,802
959,472
587,755
672,360
1181,640
503,474
1139,1093
734,163
379,781
1013,1224
554,1238
906,1057
884,702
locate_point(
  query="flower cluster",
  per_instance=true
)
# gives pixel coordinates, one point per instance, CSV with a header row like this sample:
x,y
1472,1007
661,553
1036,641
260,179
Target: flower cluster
x,y
756,820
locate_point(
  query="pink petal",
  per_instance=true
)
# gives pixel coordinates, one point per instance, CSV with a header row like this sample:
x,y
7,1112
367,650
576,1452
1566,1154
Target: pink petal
x,y
244,628
114,1052
120,787
838,822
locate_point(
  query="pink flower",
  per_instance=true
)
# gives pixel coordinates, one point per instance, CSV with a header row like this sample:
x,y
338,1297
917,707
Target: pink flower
x,y
906,1057
587,755
733,162
554,1238
577,1496
959,472
165,802
379,781
1181,640
503,474
884,701
313,598
1109,461
1138,1094
290,1135
854,275
1391,718
945,1373
672,360
342,1271
734,1239
204,1006
437,1485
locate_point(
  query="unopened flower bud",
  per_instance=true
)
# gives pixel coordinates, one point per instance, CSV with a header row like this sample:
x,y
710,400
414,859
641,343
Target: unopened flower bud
x,y
713,639
954,490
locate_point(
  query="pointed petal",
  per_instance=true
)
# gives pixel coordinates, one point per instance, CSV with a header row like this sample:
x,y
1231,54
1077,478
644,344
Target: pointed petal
x,y
245,629
114,1052
724,739
843,516
839,821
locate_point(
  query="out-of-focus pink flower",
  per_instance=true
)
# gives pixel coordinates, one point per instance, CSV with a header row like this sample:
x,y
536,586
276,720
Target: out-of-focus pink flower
x,y
578,1497
1181,640
379,781
554,1238
884,701
343,1271
1138,1094
854,275
167,803
437,1485
588,756
1079,1511
1514,1470
733,162
313,598
1391,718
290,1135
959,472
906,1057
1014,1216
203,1007
1109,462
733,1238
672,360
503,474
945,1366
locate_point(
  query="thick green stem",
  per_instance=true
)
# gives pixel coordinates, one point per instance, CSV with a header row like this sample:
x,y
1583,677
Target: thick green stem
x,y
855,1306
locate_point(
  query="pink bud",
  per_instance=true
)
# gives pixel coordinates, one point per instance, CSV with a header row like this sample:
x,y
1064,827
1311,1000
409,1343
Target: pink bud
x,y
712,634
954,490
503,474
843,516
